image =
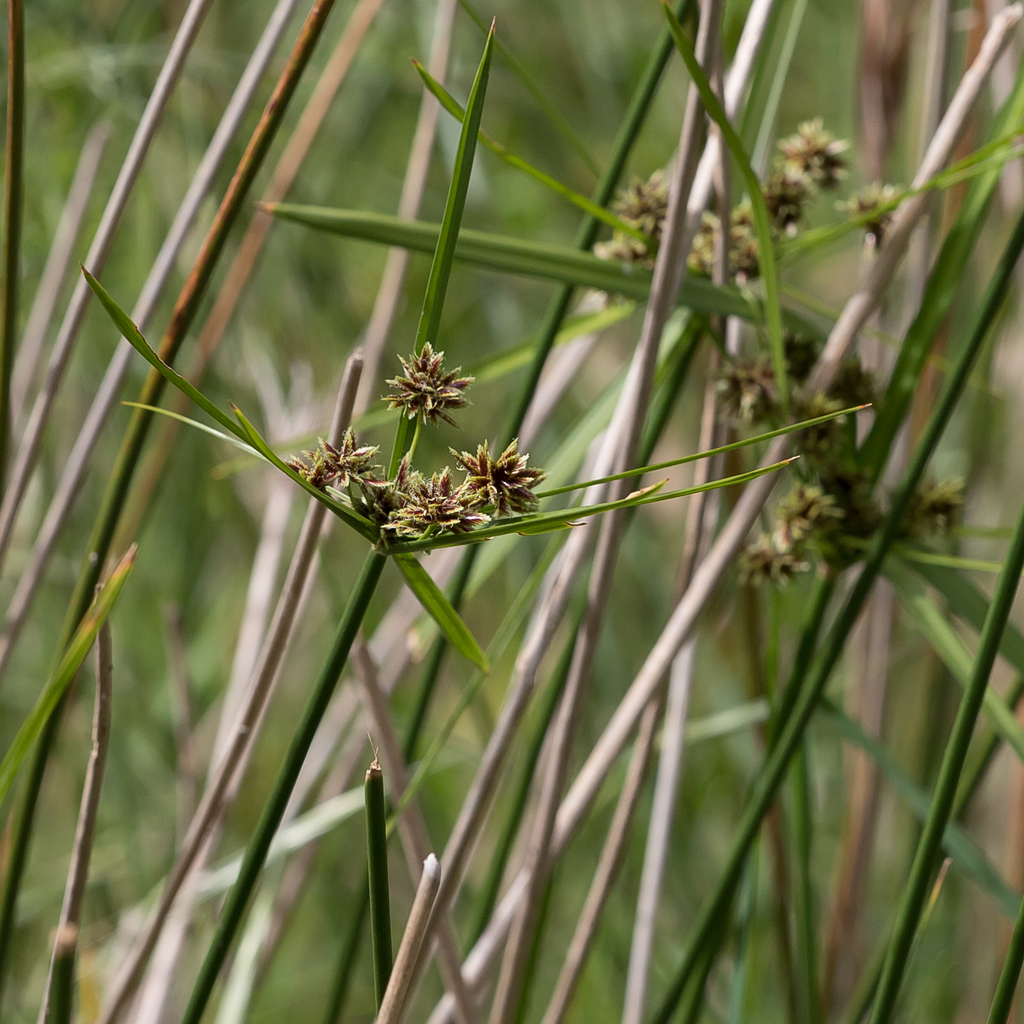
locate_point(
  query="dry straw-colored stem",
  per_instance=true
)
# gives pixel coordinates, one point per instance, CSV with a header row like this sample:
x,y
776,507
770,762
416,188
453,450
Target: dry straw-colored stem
x,y
47,291
607,870
65,944
669,270
735,530
612,741
392,1009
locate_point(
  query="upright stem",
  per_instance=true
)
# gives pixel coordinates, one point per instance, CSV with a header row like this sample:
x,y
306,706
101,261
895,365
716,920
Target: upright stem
x,y
13,173
377,878
273,811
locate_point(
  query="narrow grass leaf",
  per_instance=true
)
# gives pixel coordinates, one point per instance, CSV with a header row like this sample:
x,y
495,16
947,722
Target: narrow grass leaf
x,y
123,322
697,456
543,521
968,603
762,223
220,435
60,678
546,260
430,595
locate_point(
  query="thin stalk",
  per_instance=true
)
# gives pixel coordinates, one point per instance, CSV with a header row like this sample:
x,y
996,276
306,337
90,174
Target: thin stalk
x,y
58,997
377,877
273,811
521,794
231,760
1002,1002
397,994
802,828
789,738
916,890
14,168
131,446
556,312
64,237
607,870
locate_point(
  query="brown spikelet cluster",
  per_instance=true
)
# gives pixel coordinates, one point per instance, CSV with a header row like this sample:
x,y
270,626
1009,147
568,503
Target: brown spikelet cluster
x,y
505,484
426,390
327,465
872,208
436,504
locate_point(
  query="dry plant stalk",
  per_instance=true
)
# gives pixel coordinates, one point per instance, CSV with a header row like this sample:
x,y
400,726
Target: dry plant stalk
x,y
62,963
396,996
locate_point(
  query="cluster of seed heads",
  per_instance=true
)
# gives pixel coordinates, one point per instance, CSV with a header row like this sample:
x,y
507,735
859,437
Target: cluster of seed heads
x,y
831,515
411,505
808,162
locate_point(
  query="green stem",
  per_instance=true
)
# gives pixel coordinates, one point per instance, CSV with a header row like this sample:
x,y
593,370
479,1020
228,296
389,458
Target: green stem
x,y
916,891
802,831
1002,1003
13,178
775,767
377,877
256,852
114,498
62,991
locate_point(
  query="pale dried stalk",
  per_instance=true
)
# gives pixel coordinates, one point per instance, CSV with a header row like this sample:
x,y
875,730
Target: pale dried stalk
x,y
669,271
412,829
180,688
48,289
392,1007
213,803
413,186
607,870
66,940
702,516
28,450
736,527
69,485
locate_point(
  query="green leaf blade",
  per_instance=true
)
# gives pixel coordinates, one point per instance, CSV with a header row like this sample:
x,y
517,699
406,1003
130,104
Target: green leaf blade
x,y
440,609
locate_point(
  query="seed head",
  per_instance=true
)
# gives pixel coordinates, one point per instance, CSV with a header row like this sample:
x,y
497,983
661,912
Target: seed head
x,y
801,355
436,502
505,484
379,500
644,204
743,245
329,465
824,442
426,390
936,507
746,388
813,153
873,200
626,249
807,509
853,385
785,195
762,562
